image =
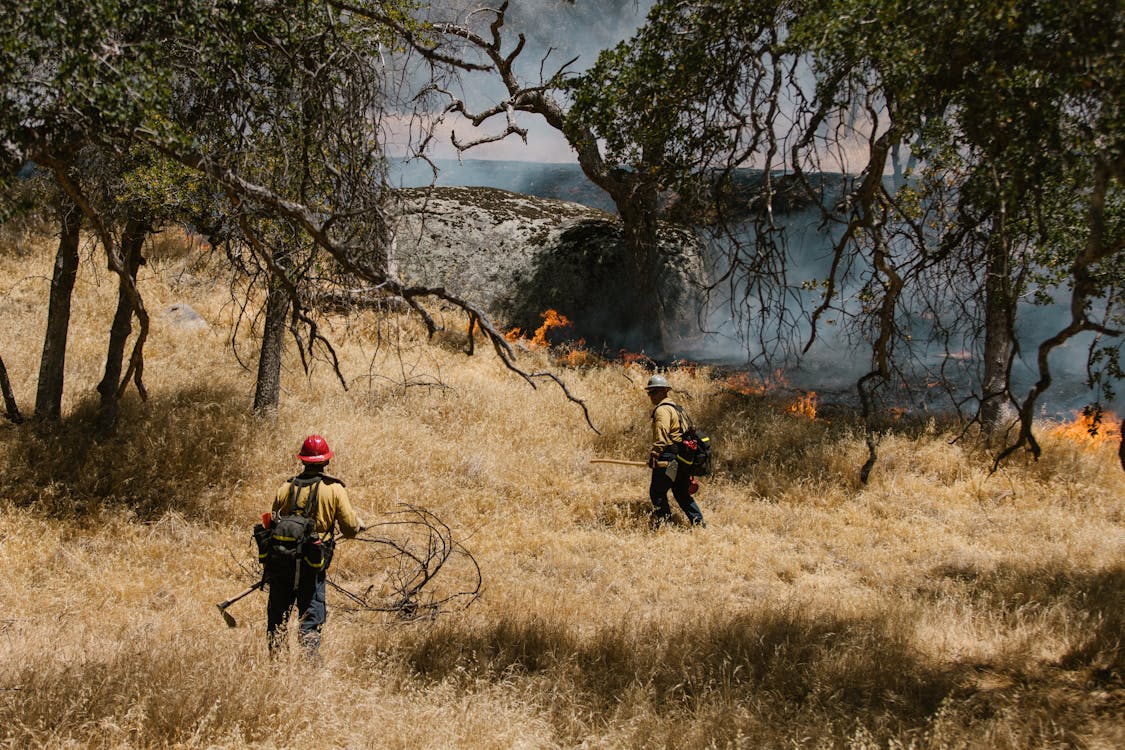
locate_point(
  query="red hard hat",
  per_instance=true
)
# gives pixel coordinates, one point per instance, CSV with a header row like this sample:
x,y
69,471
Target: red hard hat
x,y
315,450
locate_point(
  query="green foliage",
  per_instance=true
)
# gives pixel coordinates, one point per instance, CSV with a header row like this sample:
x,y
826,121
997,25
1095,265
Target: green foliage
x,y
1027,93
238,117
686,92
165,184
1013,109
285,94
79,72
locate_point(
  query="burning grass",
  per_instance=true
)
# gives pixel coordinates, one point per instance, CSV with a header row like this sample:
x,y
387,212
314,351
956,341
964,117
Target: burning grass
x,y
939,606
556,328
1090,429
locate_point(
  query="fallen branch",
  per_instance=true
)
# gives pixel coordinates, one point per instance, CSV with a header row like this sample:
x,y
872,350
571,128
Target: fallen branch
x,y
417,547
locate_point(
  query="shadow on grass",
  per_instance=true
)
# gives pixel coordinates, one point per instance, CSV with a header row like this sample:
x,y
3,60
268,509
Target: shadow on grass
x,y
1092,597
625,513
777,675
861,663
144,695
164,454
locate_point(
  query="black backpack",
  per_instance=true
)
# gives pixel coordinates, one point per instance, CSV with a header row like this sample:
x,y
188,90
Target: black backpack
x,y
292,538
694,449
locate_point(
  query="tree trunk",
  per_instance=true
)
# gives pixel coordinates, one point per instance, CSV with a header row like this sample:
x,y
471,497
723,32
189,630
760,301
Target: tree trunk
x,y
999,332
48,394
638,207
11,410
132,243
268,389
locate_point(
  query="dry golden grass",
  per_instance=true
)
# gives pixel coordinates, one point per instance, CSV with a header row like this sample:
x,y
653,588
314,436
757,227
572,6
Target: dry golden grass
x,y
939,606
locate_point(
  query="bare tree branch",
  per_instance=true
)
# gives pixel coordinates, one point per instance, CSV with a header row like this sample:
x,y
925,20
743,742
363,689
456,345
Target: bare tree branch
x,y
1085,287
351,258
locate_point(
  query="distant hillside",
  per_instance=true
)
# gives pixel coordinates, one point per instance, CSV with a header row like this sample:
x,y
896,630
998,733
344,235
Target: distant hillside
x,y
565,181
560,181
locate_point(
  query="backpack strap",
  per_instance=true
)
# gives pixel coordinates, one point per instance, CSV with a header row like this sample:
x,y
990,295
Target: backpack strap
x,y
685,421
295,485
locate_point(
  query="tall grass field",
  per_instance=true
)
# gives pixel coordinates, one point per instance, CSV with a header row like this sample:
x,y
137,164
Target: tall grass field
x,y
940,605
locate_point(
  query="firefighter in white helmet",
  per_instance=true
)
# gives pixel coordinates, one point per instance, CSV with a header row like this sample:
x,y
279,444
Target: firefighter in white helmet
x,y
667,433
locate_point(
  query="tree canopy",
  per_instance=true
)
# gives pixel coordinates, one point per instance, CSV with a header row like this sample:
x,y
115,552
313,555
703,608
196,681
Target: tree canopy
x,y
276,106
981,144
1013,113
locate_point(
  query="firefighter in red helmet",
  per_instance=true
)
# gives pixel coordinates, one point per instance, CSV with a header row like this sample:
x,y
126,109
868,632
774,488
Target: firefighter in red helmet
x,y
321,501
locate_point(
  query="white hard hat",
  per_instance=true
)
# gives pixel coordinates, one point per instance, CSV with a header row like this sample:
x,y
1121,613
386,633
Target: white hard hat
x,y
657,382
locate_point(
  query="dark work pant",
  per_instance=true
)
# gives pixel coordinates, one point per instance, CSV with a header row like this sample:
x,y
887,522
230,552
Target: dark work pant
x,y
658,493
309,598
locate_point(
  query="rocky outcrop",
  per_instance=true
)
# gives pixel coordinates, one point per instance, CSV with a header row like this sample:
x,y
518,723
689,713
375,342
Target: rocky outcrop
x,y
181,315
518,256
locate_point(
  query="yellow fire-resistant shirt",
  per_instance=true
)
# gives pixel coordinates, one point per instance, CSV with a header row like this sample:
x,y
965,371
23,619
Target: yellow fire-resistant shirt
x,y
667,427
332,506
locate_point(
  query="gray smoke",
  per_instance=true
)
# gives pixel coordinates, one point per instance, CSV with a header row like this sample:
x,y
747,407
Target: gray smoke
x,y
558,31
834,362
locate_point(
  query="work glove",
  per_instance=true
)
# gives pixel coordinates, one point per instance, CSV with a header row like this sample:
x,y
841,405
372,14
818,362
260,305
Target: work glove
x,y
652,457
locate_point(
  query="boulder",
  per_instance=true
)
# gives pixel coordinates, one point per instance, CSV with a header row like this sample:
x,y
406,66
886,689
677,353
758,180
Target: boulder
x,y
181,315
517,256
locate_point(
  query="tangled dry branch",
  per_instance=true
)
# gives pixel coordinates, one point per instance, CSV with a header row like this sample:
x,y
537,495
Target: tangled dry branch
x,y
426,570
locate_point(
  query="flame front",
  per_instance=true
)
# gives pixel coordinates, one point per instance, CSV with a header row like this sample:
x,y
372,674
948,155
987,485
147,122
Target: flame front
x,y
1088,430
552,319
804,406
741,382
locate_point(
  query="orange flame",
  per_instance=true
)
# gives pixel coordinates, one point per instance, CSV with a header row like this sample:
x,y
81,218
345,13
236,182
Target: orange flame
x,y
629,358
552,319
804,406
577,355
741,382
1085,431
